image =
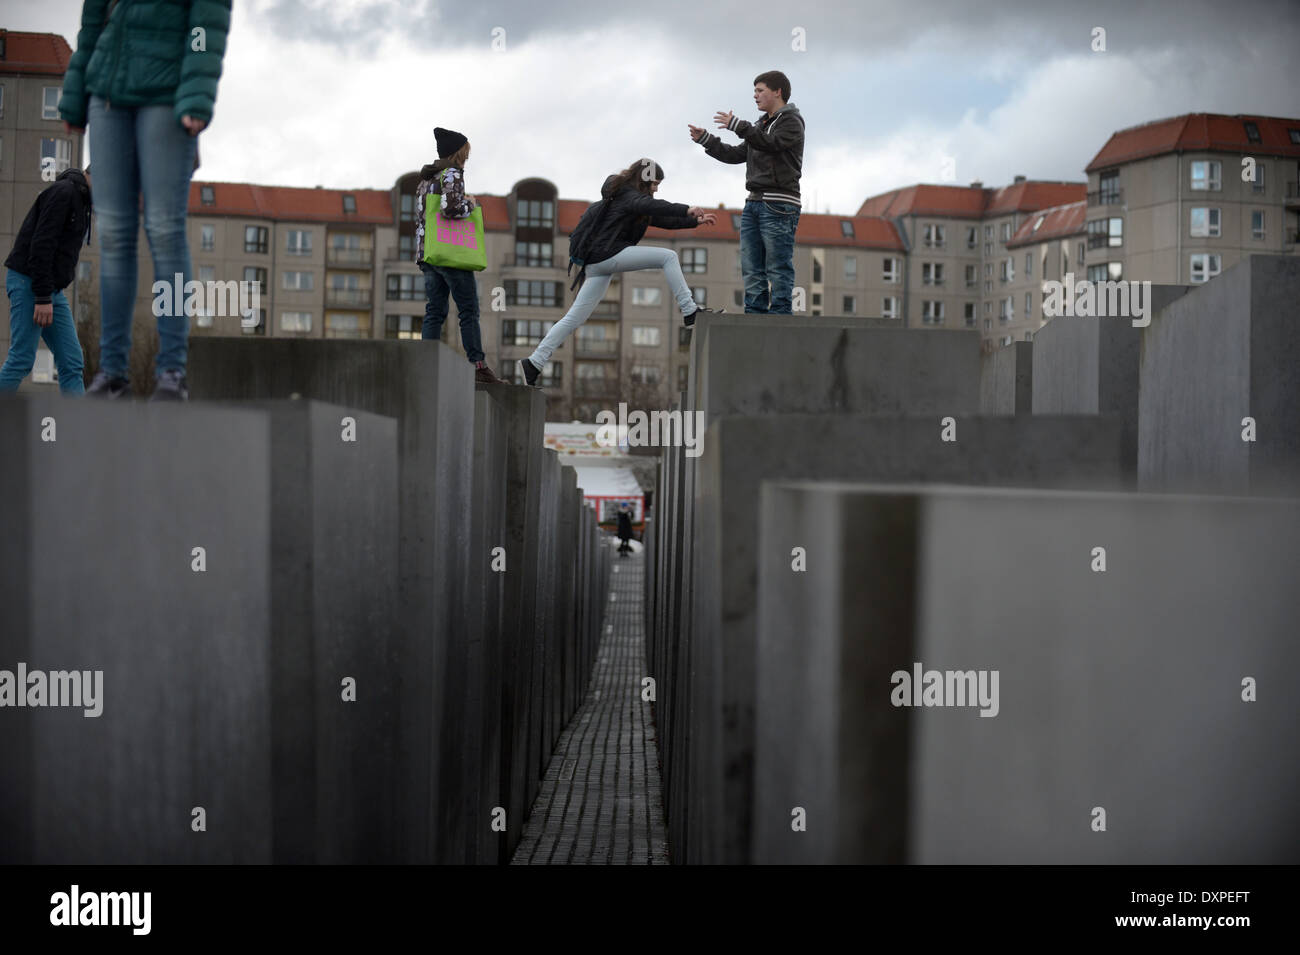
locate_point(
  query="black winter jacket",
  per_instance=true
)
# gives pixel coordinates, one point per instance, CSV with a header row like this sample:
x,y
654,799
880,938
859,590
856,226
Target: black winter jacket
x,y
626,216
49,242
771,149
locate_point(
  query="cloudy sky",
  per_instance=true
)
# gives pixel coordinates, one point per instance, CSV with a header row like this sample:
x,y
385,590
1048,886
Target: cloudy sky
x,y
345,93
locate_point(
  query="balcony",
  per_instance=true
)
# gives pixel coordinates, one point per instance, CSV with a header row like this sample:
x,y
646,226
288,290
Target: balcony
x,y
347,297
349,258
1293,193
1106,197
595,387
596,348
1291,238
511,260
938,281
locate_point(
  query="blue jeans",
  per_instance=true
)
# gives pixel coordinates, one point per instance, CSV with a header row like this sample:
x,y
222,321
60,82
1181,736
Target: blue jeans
x,y
767,255
60,336
459,283
631,259
139,151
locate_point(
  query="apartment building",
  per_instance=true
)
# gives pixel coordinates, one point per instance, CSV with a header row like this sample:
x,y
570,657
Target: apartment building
x,y
1169,201
958,270
1045,247
32,139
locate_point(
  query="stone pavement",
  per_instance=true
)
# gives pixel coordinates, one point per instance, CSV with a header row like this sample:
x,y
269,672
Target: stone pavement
x,y
601,801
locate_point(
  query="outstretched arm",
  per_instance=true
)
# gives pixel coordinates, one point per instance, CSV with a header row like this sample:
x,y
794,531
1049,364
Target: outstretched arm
x,y
716,148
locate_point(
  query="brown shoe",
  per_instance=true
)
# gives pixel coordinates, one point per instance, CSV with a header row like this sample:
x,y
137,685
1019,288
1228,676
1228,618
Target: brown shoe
x,y
484,376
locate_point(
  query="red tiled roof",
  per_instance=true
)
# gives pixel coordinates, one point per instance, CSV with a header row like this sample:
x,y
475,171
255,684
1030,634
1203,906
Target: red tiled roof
x,y
1058,221
41,54
1203,132
972,202
292,203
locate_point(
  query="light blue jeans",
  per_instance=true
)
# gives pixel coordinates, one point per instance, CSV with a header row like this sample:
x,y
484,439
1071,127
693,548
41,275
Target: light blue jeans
x,y
60,336
631,259
139,152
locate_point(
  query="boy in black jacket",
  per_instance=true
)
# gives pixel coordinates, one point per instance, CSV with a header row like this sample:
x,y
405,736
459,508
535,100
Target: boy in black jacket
x,y
42,263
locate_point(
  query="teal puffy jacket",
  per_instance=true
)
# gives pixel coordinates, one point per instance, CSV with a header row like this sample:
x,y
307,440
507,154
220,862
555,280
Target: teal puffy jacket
x,y
147,53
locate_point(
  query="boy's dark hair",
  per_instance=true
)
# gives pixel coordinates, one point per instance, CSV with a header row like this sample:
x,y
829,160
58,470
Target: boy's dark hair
x,y
775,80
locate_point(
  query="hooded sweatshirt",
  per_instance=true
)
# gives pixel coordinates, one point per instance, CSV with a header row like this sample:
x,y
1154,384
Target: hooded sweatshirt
x,y
48,244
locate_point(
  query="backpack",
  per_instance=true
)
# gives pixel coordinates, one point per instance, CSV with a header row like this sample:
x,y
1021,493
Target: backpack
x,y
580,240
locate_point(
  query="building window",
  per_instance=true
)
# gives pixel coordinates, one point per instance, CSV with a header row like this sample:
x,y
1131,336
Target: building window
x,y
850,304
889,307
1029,265
1257,224
532,292
850,268
406,247
738,297
1206,174
817,269
988,286
1205,266
933,236
645,335
1252,133
1081,252
534,213
259,328
298,281
645,374
1007,339
988,324
932,313
533,253
682,371
207,196
406,208
988,270
683,336
971,276
645,296
701,296
735,221
406,327
207,238
695,260
988,310
298,242
891,270
1003,270
1108,188
56,154
972,237
347,325
1295,136
1205,221
846,228
519,331
404,288
349,203
254,274
207,273
817,298
1029,305
255,238
50,102
932,273
1038,224
1006,310
295,322
988,232
1258,184
1006,231
969,315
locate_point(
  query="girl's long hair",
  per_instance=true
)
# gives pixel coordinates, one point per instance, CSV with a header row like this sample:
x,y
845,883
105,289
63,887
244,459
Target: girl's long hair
x,y
456,159
640,175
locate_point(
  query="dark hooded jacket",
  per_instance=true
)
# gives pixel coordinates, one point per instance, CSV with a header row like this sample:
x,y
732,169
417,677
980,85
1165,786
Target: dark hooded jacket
x,y
625,217
49,241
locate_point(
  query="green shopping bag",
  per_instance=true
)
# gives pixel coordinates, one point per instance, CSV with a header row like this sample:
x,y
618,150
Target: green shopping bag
x,y
453,243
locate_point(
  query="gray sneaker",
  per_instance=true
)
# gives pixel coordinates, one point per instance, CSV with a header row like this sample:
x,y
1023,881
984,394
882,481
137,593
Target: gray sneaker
x,y
171,386
104,386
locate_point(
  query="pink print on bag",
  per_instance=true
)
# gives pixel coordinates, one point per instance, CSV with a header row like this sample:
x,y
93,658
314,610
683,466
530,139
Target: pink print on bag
x,y
455,231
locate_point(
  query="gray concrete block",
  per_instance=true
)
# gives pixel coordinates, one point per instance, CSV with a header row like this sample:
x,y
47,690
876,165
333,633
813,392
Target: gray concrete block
x,y
739,453
1090,366
1120,690
96,574
1007,380
429,390
1228,350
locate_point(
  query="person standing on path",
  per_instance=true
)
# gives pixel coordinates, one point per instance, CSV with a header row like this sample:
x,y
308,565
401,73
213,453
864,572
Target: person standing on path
x,y
604,242
42,263
144,78
772,151
446,178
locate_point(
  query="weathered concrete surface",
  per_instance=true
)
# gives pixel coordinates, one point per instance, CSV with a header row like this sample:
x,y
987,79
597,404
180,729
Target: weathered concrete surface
x,y
1227,351
1007,380
1119,690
